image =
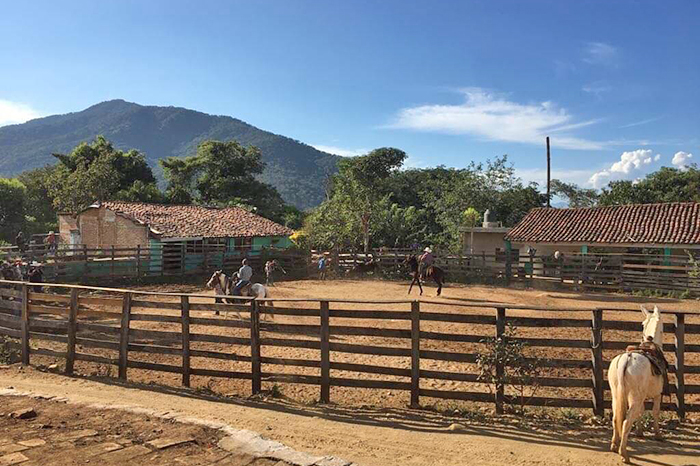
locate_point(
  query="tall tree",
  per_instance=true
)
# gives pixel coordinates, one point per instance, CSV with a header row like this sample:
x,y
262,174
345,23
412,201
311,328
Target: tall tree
x,y
97,172
360,185
40,214
12,195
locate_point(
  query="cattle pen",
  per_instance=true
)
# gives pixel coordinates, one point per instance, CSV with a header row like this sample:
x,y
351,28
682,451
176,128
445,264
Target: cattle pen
x,y
418,350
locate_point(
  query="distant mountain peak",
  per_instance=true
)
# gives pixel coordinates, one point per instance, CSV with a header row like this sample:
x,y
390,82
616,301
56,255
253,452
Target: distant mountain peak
x,y
294,168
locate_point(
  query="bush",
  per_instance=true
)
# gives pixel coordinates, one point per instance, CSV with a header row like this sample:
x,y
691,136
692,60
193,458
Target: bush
x,y
521,371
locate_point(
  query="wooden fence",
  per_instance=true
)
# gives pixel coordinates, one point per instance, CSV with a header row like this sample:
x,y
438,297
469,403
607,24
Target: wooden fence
x,y
70,264
75,320
623,272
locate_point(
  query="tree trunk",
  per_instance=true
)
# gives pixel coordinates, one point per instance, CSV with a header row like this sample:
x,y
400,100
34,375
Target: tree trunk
x,y
365,233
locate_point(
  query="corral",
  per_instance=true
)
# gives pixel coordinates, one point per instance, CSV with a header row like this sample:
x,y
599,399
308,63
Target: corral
x,y
391,352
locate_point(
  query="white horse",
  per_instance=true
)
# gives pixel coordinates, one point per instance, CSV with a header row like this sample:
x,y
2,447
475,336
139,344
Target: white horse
x,y
632,381
223,286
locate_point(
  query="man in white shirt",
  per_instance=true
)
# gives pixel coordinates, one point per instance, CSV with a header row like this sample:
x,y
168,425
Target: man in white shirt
x,y
245,273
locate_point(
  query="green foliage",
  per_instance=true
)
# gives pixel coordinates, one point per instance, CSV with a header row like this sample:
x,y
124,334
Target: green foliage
x,y
664,185
359,189
9,354
294,168
99,172
40,215
575,195
12,204
520,370
470,217
224,174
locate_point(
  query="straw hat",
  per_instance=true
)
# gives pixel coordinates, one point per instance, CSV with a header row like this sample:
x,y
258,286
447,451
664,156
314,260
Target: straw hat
x,y
427,250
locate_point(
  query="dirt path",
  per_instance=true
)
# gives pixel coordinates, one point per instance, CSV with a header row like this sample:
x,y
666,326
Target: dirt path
x,y
372,437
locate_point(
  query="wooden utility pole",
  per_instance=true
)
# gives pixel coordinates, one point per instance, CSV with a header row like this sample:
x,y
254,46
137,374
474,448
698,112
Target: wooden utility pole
x,y
549,176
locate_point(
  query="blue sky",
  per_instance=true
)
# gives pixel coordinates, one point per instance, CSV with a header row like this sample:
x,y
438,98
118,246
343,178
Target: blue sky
x,y
615,84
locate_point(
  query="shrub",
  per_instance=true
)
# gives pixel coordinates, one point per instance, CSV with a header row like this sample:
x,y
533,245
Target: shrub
x,y
521,371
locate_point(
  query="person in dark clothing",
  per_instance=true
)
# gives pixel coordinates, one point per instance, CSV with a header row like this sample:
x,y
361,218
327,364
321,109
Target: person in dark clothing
x,y
20,242
36,275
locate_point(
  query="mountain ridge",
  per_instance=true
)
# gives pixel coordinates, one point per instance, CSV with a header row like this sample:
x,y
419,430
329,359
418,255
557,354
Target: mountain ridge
x,y
293,167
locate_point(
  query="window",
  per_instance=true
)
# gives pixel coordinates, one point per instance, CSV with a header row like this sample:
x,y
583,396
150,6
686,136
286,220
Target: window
x,y
243,243
195,247
216,244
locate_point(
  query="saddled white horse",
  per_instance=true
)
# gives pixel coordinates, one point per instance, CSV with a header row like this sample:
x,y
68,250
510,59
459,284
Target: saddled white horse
x,y
632,381
223,286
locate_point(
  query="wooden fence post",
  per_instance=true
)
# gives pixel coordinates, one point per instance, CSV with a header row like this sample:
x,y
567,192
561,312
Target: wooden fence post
x,y
138,261
500,370
509,266
597,359
183,252
72,327
111,268
185,308
124,336
25,325
325,353
680,365
255,346
415,354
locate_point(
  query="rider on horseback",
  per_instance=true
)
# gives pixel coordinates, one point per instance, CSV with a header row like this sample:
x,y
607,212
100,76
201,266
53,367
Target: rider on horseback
x,y
425,261
245,273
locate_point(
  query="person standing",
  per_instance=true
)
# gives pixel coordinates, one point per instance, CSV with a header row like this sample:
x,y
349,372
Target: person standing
x,y
269,269
36,275
20,242
51,241
322,268
245,274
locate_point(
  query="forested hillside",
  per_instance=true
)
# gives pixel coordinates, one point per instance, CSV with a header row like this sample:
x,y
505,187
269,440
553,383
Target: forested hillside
x,y
294,168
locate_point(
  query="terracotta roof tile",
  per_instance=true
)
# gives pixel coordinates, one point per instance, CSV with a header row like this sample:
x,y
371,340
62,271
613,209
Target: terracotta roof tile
x,y
188,221
669,223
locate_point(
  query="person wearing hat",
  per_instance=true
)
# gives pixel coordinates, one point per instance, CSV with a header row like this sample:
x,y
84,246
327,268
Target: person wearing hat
x,y
425,261
50,240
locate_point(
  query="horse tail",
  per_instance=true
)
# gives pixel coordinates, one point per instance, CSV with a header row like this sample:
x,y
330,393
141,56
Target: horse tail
x,y
620,401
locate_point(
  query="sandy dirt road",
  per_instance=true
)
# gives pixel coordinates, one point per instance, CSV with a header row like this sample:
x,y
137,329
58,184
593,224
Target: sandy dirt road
x,y
374,437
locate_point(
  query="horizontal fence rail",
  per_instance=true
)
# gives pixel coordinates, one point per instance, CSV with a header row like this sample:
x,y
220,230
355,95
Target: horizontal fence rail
x,y
127,329
80,263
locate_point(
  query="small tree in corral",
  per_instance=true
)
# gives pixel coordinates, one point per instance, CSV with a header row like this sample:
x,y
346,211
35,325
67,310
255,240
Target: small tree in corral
x,y
521,371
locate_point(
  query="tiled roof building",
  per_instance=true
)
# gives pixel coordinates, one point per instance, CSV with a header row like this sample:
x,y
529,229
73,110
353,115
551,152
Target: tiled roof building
x,y
190,221
660,225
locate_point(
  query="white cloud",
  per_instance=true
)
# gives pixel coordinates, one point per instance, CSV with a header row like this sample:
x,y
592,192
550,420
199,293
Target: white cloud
x,y
600,53
340,151
629,162
14,112
680,159
494,118
639,123
657,157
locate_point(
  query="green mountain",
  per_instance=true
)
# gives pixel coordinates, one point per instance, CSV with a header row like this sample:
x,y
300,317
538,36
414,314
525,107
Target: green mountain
x,y
296,169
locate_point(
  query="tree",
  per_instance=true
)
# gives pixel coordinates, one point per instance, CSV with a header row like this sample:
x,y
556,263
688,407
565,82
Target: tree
x,y
224,174
73,189
575,195
359,186
98,172
470,217
12,195
664,185
40,215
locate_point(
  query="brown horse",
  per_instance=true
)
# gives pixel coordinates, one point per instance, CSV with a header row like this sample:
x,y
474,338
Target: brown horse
x,y
432,271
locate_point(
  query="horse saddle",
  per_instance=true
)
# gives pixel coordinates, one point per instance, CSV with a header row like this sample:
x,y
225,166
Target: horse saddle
x,y
655,355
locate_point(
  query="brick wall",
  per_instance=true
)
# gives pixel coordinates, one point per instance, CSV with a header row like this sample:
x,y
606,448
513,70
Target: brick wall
x,y
102,228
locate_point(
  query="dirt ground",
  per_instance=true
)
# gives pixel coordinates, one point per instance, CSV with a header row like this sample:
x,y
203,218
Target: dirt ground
x,y
455,299
367,436
62,433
